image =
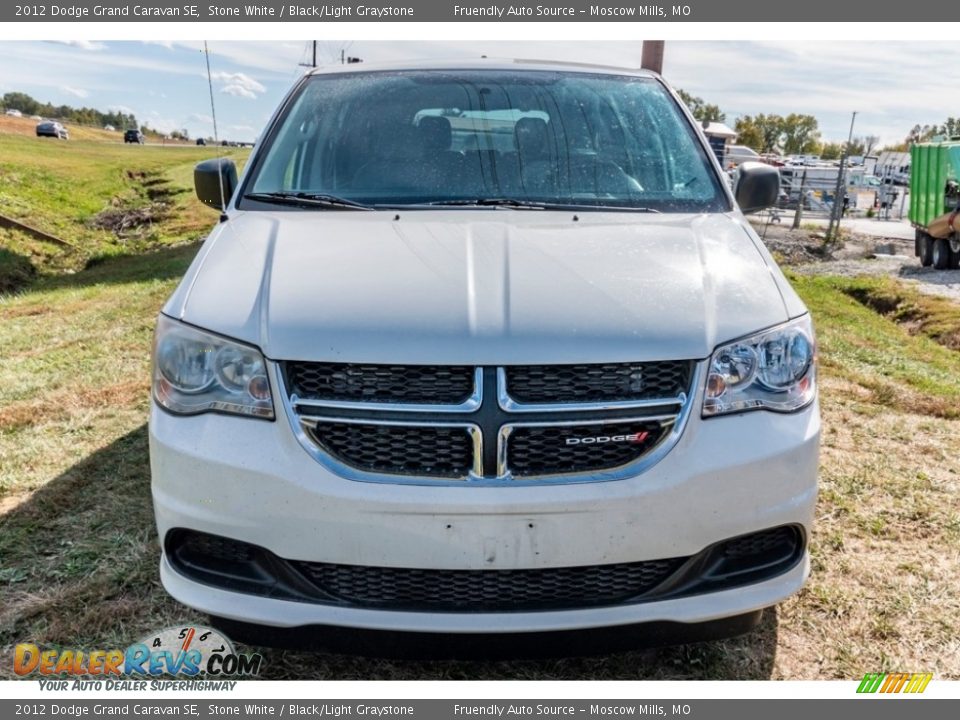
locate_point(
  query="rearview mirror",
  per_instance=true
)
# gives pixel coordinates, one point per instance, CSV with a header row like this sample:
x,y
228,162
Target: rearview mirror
x,y
758,186
207,179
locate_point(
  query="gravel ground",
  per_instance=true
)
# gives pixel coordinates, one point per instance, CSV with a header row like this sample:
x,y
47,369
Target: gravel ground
x,y
803,251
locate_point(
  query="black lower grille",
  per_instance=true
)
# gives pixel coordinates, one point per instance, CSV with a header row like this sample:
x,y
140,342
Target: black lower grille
x,y
489,590
408,384
760,543
548,450
213,546
398,449
598,383
242,567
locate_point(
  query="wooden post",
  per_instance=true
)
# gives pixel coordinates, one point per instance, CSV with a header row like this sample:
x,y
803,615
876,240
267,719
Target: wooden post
x,y
652,56
798,216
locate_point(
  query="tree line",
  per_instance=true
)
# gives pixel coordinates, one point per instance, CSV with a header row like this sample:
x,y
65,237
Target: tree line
x,y
81,116
799,134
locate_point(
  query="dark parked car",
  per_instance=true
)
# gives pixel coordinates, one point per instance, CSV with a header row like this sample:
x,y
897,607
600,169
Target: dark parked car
x,y
133,136
201,141
49,128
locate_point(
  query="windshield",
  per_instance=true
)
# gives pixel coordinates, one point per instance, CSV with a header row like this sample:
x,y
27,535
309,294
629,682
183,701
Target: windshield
x,y
449,137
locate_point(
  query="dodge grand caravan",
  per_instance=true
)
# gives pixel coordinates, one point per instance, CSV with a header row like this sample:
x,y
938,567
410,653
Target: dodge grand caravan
x,y
483,348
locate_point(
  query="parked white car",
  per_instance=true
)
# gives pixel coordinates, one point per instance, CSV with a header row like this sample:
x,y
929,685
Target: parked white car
x,y
736,155
522,369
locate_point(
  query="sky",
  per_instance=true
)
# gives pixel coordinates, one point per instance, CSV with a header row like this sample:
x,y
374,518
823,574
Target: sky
x,y
891,85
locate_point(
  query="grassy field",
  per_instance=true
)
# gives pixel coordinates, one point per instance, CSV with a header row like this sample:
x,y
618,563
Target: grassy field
x,y
78,551
95,199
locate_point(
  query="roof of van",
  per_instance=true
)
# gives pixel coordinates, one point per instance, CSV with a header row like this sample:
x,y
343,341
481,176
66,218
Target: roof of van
x,y
483,64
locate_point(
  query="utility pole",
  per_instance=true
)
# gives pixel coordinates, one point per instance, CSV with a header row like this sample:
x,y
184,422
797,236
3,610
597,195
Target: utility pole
x,y
798,216
652,56
837,210
314,63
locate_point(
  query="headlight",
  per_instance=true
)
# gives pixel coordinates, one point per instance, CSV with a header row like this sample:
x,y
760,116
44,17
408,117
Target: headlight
x,y
195,371
772,370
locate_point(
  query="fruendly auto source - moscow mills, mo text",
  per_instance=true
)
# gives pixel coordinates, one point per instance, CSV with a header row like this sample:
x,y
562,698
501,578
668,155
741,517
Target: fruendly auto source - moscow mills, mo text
x,y
337,11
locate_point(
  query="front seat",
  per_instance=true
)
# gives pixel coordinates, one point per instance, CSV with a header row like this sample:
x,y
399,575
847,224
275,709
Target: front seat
x,y
536,164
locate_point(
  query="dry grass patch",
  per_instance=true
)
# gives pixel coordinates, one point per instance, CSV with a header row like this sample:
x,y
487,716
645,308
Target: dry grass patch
x,y
78,550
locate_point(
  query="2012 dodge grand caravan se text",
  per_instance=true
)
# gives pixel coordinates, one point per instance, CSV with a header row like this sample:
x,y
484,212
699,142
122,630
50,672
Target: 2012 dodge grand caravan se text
x,y
483,348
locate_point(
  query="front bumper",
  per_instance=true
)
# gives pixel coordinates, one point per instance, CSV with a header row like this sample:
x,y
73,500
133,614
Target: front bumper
x,y
250,480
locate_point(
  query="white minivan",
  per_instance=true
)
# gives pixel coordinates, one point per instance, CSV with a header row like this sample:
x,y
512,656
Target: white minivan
x,y
483,348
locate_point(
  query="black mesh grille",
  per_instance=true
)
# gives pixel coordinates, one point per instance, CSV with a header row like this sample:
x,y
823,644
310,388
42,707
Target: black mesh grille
x,y
553,450
413,384
760,543
395,449
506,590
597,383
237,566
214,546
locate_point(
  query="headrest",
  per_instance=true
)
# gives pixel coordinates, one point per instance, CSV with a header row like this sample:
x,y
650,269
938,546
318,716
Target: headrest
x,y
435,133
531,135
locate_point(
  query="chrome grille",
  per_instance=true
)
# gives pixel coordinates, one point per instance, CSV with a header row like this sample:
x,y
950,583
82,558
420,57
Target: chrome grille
x,y
429,424
488,590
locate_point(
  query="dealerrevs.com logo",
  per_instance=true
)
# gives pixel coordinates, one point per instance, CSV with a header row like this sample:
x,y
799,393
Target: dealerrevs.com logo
x,y
185,652
888,683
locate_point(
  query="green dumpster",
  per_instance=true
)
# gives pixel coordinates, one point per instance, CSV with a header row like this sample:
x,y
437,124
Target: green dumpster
x,y
931,166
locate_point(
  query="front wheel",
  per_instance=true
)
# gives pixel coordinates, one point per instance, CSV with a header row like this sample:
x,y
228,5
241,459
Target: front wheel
x,y
941,254
954,259
925,250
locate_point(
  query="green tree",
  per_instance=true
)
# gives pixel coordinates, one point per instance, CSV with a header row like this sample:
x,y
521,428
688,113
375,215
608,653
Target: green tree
x,y
857,147
761,132
921,133
81,116
800,134
749,133
701,110
951,128
20,101
831,150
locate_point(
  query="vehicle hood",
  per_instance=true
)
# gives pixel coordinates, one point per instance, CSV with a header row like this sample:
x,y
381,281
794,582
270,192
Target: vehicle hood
x,y
487,287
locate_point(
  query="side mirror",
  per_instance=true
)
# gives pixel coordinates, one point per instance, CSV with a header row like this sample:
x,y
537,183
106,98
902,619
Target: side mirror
x,y
207,178
758,186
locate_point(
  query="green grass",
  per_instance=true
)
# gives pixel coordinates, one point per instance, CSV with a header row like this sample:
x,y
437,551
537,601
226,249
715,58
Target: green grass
x,y
911,370
935,317
62,189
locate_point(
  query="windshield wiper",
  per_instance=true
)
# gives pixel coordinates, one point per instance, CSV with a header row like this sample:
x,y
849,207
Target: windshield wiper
x,y
307,199
492,202
532,204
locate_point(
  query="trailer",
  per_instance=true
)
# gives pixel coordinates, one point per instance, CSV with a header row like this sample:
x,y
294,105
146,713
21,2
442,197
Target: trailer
x,y
935,202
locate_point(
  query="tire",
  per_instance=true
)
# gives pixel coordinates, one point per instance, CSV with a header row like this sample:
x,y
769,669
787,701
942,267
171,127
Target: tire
x,y
941,254
925,250
954,258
